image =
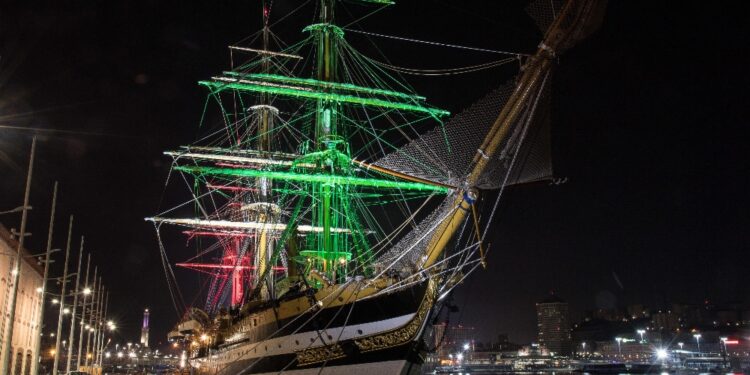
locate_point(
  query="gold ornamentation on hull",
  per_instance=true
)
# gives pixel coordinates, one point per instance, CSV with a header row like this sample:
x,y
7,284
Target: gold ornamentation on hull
x,y
320,354
403,334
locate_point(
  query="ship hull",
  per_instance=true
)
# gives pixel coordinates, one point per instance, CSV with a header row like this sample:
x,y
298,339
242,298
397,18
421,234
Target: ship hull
x,y
373,368
379,335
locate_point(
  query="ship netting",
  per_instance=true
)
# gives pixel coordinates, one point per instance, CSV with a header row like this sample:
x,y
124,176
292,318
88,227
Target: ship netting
x,y
544,12
526,155
406,252
523,157
446,154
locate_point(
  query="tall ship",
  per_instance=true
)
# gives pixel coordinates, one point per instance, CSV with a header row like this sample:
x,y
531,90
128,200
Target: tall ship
x,y
333,208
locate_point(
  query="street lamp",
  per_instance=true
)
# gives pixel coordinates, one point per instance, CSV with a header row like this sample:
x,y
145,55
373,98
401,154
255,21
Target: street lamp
x,y
619,345
724,343
661,354
583,347
641,332
680,344
698,341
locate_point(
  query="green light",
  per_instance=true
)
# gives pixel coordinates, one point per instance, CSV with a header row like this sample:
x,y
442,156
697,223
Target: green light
x,y
324,84
315,178
325,27
327,120
302,92
326,254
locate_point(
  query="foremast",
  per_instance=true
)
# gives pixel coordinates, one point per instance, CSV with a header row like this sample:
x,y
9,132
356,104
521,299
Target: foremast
x,y
329,148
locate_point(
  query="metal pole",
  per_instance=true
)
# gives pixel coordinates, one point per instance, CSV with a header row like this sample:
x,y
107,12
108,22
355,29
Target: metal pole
x,y
40,319
73,311
62,300
88,331
16,272
83,314
103,324
97,331
91,324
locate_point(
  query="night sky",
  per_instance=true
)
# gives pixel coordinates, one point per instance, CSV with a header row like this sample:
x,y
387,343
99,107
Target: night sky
x,y
649,128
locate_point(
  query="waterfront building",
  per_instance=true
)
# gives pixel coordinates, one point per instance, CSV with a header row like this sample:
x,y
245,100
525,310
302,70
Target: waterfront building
x,y
665,320
553,323
28,304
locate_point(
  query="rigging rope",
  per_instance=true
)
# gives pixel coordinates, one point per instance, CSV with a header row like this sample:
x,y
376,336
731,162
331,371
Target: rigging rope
x,y
177,300
436,43
513,160
443,72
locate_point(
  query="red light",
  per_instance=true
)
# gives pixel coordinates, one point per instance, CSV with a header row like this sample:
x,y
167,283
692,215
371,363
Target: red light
x,y
230,188
223,266
192,234
732,342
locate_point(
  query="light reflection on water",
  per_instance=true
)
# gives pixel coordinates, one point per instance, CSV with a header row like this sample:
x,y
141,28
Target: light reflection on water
x,y
680,372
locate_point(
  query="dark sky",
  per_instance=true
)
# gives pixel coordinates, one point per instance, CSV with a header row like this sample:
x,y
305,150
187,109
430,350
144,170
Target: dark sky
x,y
649,128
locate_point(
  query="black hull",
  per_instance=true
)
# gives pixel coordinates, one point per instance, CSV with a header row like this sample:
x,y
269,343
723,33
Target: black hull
x,y
407,354
375,335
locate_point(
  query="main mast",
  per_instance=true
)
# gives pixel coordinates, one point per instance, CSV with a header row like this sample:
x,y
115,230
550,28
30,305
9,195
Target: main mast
x,y
326,110
264,211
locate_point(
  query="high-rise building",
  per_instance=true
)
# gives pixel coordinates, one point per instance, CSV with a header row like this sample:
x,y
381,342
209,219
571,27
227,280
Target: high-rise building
x,y
553,324
144,330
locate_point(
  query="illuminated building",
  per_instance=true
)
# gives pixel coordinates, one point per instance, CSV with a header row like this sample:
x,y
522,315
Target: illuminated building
x,y
144,329
25,329
553,323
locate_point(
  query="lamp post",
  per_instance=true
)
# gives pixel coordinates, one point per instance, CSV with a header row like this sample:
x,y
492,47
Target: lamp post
x,y
680,344
43,289
619,345
86,292
56,362
75,306
662,355
698,341
102,329
92,314
641,332
583,347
